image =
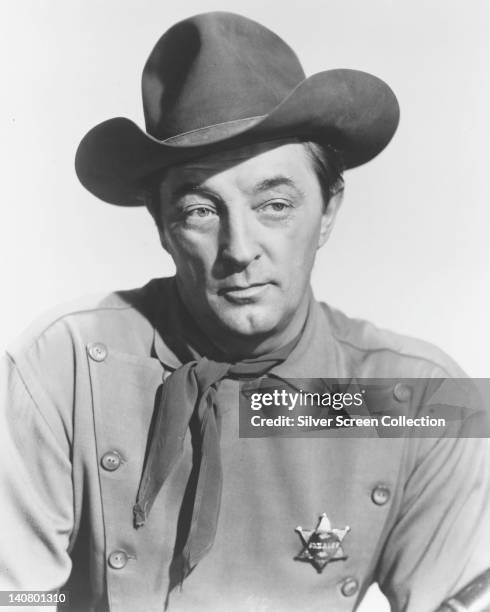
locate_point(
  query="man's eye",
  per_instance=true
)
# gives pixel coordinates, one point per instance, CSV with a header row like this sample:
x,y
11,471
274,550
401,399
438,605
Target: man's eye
x,y
276,206
200,212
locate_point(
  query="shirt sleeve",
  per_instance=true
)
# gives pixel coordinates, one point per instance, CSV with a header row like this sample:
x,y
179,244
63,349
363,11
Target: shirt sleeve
x,y
36,511
441,539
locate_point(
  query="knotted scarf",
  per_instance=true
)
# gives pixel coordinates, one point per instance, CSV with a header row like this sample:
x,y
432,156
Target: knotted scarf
x,y
188,393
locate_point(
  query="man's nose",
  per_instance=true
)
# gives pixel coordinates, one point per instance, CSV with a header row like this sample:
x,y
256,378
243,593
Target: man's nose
x,y
238,239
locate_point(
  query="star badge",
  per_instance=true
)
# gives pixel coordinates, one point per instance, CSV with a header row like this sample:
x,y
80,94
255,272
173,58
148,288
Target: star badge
x,y
322,545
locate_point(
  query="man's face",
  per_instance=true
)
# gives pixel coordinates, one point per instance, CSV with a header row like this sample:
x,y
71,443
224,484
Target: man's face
x,y
243,227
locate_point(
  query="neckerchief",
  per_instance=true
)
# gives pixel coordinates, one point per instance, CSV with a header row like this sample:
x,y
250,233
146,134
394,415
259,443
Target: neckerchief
x,y
189,396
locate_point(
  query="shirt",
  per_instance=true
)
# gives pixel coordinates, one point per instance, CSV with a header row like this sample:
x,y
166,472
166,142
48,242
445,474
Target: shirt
x,y
80,388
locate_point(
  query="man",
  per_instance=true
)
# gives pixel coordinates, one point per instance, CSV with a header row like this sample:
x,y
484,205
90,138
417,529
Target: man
x,y
126,482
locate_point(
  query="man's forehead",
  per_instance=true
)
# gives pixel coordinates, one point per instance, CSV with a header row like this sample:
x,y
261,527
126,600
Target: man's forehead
x,y
256,161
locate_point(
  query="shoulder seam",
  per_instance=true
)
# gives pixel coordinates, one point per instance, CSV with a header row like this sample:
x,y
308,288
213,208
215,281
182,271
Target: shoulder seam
x,y
391,350
384,348
69,314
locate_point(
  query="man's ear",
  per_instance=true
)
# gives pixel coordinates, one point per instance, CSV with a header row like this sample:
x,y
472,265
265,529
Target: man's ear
x,y
329,216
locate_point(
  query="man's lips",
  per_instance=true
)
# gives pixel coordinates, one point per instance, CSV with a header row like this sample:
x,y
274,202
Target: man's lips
x,y
243,291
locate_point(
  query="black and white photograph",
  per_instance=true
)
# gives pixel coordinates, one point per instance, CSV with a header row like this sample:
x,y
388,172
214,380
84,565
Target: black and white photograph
x,y
245,333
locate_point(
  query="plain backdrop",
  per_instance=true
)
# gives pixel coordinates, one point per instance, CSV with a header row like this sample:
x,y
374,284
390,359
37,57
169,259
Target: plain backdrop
x,y
410,251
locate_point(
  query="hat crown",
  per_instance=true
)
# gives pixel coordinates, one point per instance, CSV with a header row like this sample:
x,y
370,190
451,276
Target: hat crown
x,y
212,68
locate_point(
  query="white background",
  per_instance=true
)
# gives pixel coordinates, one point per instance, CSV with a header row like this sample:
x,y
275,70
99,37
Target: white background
x,y
411,248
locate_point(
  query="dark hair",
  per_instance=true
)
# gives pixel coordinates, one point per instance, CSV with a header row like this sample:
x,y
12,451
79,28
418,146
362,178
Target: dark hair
x,y
327,165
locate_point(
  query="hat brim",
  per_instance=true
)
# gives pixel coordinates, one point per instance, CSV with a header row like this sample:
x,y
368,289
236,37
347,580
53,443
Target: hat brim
x,y
353,111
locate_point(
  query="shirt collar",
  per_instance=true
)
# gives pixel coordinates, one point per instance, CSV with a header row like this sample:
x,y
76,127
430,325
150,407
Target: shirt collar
x,y
314,355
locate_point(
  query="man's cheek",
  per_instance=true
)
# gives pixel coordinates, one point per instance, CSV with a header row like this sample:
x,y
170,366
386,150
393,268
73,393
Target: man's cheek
x,y
192,255
301,253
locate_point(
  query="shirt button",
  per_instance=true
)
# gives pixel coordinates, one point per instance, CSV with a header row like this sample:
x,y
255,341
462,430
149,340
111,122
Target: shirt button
x,y
380,495
402,392
110,461
117,559
97,351
349,587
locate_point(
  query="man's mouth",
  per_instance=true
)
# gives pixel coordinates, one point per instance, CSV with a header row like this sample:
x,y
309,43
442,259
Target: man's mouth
x,y
238,293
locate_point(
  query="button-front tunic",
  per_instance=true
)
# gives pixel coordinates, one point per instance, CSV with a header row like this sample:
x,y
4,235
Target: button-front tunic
x,y
79,396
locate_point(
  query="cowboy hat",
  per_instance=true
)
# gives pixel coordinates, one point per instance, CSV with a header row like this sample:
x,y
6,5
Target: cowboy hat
x,y
220,80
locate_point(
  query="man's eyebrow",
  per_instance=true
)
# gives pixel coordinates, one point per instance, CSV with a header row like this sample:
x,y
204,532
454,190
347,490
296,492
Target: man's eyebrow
x,y
276,181
264,185
189,187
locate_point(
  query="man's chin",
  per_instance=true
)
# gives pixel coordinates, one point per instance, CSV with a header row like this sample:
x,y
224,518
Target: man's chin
x,y
248,321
